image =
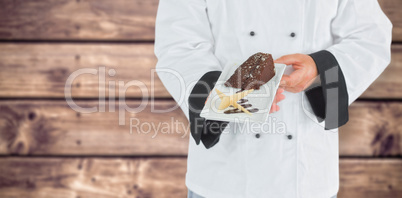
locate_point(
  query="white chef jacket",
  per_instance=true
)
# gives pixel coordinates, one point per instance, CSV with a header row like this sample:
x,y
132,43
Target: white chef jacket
x,y
194,37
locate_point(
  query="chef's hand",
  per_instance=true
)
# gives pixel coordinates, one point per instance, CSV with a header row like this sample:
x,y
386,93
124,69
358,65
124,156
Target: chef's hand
x,y
274,107
303,75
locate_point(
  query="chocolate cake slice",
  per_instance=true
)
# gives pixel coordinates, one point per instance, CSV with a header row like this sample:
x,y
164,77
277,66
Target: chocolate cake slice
x,y
257,70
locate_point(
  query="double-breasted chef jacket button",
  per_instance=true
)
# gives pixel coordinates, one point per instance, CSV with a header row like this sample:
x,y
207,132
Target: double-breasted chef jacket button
x,y
292,34
252,33
257,135
289,137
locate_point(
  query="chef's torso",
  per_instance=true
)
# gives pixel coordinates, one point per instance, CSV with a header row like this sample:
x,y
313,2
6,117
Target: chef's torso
x,y
293,156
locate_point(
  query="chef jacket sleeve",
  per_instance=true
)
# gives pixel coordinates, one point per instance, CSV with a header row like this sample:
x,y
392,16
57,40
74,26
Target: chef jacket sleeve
x,y
186,65
360,53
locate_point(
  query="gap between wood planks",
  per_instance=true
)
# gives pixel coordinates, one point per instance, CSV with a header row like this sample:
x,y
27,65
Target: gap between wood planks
x,y
171,156
103,41
95,41
160,99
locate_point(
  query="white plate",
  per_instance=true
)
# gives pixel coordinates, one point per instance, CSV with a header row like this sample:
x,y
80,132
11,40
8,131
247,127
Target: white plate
x,y
261,99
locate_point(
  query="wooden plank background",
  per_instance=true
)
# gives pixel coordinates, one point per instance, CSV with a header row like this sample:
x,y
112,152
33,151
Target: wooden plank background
x,y
53,128
36,70
102,19
49,150
136,177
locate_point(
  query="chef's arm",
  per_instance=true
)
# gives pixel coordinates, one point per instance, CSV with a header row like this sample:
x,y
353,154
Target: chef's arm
x,y
360,53
186,65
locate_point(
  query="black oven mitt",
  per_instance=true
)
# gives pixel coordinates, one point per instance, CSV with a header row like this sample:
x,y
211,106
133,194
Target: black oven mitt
x,y
207,131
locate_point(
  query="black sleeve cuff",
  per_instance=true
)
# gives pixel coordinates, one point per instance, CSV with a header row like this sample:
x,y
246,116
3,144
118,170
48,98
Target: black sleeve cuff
x,y
329,101
207,131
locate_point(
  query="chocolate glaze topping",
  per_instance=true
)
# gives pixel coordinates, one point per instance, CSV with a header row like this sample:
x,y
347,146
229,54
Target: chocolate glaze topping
x,y
257,70
243,103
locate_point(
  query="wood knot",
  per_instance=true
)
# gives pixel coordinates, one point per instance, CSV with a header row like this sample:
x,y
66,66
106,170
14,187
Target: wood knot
x,y
31,116
26,131
57,74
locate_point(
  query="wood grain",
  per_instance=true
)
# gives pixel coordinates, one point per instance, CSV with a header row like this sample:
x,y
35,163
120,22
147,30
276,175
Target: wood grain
x,y
374,129
161,177
370,178
78,19
41,70
53,128
92,177
103,20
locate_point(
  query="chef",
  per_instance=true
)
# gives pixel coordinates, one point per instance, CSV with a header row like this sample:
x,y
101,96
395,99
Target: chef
x,y
334,50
